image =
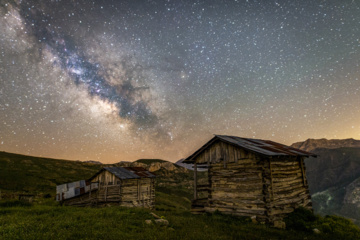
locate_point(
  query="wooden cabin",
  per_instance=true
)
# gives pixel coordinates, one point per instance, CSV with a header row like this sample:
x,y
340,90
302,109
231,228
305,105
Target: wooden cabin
x,y
125,186
250,177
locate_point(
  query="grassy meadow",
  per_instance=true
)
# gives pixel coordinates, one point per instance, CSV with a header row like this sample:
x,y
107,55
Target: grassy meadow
x,y
45,218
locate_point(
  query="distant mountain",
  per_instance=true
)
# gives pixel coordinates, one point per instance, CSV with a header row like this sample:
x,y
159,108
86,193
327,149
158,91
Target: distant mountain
x,y
93,162
334,176
334,181
333,167
311,144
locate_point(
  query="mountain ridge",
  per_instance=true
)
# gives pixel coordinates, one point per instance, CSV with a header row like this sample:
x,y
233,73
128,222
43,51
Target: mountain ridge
x,y
311,144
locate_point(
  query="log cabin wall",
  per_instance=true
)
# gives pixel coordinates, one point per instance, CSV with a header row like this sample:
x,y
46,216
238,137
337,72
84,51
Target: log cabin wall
x,y
235,180
106,178
237,188
248,184
124,192
138,192
290,189
220,151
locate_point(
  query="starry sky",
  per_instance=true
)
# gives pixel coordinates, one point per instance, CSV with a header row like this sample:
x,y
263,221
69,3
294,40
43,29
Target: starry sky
x,y
120,80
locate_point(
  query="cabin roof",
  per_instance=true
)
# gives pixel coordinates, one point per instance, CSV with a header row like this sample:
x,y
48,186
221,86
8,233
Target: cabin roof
x,y
127,172
258,146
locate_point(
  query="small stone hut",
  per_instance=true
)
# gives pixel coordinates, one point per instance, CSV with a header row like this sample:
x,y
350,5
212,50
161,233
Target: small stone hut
x,y
250,177
125,186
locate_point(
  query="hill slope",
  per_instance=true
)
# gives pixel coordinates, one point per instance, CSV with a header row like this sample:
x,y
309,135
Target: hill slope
x,y
35,175
21,173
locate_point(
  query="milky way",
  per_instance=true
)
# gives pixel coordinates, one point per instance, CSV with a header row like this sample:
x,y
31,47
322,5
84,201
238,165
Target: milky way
x,y
122,80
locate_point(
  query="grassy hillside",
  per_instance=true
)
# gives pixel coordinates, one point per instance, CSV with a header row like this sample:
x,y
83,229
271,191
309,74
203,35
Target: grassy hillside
x,y
21,173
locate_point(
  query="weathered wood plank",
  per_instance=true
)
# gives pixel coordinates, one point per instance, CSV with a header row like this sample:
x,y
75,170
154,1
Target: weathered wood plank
x,y
289,194
285,179
252,200
296,181
195,181
247,194
284,163
284,168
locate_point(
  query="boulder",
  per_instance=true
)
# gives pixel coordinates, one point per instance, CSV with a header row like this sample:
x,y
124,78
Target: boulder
x,y
154,215
162,222
155,166
279,224
168,166
138,164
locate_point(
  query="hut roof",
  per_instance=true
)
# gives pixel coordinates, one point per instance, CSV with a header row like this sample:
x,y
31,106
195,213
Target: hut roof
x,y
127,172
263,147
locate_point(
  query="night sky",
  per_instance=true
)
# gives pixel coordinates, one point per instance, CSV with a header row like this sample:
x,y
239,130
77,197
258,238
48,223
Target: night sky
x,y
120,80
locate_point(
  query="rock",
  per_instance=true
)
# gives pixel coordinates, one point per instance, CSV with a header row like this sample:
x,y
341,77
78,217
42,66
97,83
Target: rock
x,y
316,231
138,164
148,221
124,164
162,222
155,166
155,216
168,166
279,224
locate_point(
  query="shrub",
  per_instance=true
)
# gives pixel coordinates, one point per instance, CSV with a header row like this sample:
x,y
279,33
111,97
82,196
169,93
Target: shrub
x,y
15,203
338,227
301,219
48,195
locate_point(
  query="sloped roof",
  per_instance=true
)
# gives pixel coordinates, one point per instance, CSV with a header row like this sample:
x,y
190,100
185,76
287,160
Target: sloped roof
x,y
263,147
127,172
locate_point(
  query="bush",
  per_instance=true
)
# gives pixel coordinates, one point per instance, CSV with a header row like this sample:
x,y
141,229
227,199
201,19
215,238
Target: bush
x,y
338,227
333,227
14,203
301,219
48,195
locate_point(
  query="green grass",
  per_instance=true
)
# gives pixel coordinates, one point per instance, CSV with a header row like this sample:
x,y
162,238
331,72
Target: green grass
x,y
48,220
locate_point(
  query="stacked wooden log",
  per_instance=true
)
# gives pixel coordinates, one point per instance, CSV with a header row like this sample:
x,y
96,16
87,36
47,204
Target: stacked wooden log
x,y
249,184
237,189
290,189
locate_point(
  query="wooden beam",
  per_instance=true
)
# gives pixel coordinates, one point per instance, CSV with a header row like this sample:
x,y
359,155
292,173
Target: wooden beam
x,y
302,170
195,181
138,189
271,181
